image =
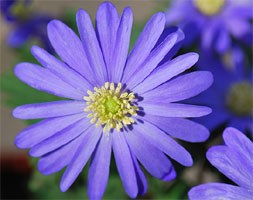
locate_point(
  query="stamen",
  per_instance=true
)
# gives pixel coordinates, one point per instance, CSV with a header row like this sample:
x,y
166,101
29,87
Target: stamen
x,y
109,108
209,7
240,98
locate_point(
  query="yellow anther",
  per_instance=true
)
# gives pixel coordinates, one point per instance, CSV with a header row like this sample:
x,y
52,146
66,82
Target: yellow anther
x,y
109,108
209,7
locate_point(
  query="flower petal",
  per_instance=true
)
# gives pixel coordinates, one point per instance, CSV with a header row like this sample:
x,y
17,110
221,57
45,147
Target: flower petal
x,y
56,160
167,71
180,128
163,142
107,22
99,168
232,164
81,157
152,60
144,44
40,131
60,69
91,46
180,88
175,109
141,179
43,79
49,109
154,160
214,191
124,164
60,138
235,139
69,47
122,44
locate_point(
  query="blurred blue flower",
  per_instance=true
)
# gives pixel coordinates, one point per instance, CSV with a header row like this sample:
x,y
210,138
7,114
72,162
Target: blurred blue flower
x,y
231,95
235,161
26,25
131,99
214,23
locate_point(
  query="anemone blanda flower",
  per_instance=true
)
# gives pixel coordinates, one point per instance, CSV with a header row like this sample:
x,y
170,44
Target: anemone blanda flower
x,y
26,25
231,95
119,102
235,161
215,23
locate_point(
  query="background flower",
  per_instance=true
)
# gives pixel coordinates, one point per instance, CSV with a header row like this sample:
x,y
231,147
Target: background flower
x,y
235,161
231,94
146,98
214,24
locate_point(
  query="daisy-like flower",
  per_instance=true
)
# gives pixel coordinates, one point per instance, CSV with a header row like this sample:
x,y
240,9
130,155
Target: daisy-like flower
x,y
235,161
215,22
121,103
231,95
26,25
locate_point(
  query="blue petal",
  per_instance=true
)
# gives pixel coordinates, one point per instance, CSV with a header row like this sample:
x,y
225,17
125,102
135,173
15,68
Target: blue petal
x,y
100,167
164,143
81,157
124,164
91,46
49,109
215,191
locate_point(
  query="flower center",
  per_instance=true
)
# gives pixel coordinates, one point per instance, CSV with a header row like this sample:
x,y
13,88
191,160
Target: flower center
x,y
108,107
240,99
209,7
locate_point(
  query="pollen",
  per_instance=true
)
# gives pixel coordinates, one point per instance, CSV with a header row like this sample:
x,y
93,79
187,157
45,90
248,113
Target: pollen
x,y
240,98
109,107
209,7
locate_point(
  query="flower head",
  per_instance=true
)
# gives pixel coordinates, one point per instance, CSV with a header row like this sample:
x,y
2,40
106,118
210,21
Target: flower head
x,y
235,161
26,25
119,102
215,22
231,95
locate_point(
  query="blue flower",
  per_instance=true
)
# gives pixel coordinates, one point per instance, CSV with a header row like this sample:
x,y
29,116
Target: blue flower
x,y
215,23
230,96
26,25
235,161
119,102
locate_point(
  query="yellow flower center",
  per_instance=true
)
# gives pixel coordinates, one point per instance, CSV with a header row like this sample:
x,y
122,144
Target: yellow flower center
x,y
21,10
110,108
240,99
209,7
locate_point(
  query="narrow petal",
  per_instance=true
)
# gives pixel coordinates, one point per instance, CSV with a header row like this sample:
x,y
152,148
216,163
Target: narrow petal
x,y
69,47
235,139
56,160
167,71
181,88
163,142
43,79
154,160
60,138
214,191
175,109
144,44
49,109
40,131
60,69
141,179
124,164
232,164
80,158
107,22
91,46
180,128
99,168
223,41
122,44
152,60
